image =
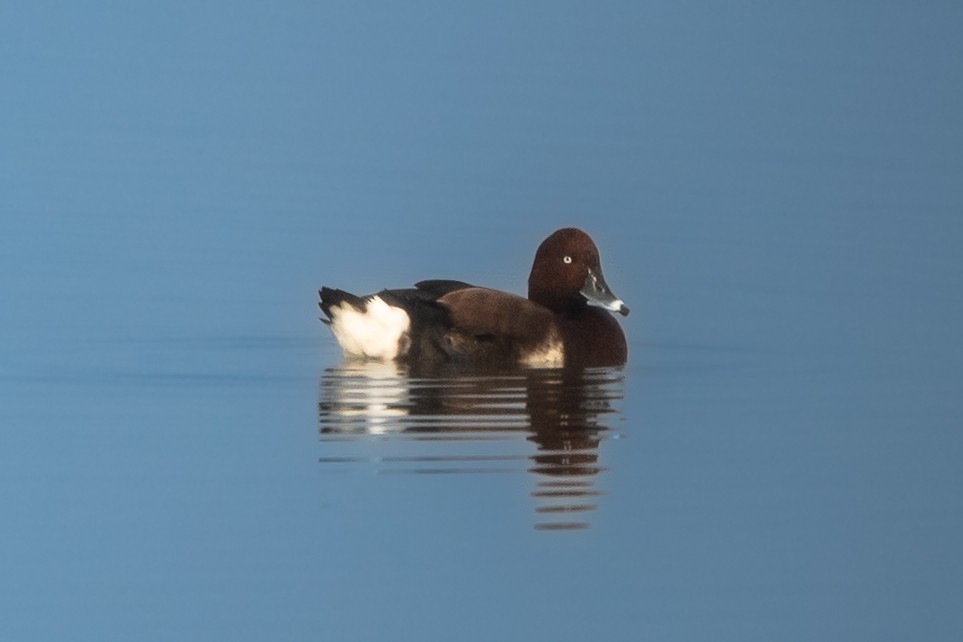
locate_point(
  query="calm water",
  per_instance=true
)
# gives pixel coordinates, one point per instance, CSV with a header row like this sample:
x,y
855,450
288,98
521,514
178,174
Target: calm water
x,y
775,192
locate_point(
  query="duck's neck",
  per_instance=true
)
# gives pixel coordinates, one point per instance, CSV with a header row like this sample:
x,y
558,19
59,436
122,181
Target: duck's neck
x,y
555,302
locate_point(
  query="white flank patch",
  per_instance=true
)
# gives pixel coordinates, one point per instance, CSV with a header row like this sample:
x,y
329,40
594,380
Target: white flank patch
x,y
551,354
376,333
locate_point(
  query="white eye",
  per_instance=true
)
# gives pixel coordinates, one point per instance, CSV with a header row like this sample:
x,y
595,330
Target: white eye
x,y
567,259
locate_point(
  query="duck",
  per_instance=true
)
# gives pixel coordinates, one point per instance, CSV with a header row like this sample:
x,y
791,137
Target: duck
x,y
566,320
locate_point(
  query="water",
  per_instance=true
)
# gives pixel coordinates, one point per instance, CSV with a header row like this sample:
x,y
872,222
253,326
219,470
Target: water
x,y
775,193
548,423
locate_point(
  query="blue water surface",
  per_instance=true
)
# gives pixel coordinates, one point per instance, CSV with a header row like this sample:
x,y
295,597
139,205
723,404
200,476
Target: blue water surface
x,y
775,191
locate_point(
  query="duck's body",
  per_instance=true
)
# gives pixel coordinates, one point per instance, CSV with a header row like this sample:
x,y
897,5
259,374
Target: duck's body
x,y
443,322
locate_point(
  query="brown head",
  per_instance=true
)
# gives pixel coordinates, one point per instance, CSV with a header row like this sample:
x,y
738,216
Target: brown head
x,y
567,274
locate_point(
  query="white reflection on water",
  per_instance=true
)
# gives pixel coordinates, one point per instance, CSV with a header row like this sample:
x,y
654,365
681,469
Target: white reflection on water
x,y
548,423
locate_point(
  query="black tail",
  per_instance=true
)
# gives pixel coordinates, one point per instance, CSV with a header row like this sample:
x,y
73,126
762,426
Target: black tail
x,y
331,298
420,302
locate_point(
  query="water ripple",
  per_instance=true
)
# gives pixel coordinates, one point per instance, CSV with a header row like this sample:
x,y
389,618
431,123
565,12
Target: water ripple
x,y
546,425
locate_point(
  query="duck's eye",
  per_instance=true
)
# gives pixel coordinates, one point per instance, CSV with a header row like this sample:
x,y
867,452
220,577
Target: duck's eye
x,y
567,259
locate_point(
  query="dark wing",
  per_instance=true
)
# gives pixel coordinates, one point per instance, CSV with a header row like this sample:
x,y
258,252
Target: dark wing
x,y
491,313
437,288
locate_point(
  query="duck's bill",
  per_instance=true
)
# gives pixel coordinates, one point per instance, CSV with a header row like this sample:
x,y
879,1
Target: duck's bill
x,y
597,292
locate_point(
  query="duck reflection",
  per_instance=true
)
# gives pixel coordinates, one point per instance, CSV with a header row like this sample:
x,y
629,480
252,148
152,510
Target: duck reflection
x,y
477,423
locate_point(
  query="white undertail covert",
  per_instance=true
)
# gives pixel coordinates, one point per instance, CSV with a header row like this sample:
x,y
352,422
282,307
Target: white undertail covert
x,y
378,332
